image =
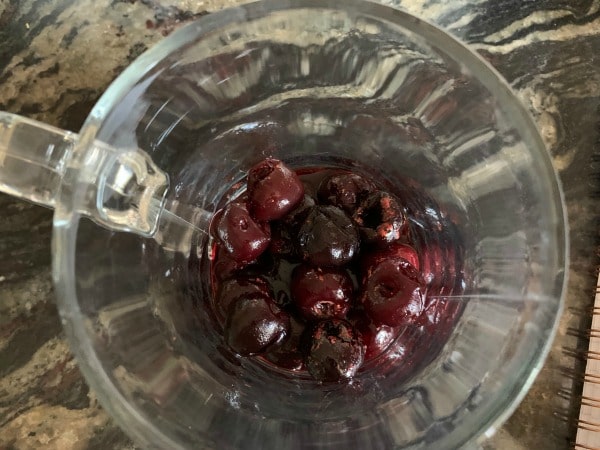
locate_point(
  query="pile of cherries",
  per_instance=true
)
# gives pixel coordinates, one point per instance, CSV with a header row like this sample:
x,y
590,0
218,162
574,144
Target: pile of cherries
x,y
313,270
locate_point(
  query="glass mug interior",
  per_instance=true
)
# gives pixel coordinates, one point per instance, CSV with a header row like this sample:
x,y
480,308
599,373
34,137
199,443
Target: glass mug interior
x,y
349,84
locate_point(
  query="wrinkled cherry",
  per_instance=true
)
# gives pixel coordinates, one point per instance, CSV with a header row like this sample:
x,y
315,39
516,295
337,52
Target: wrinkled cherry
x,y
327,237
254,323
345,190
392,293
237,288
321,293
273,190
335,351
243,238
381,218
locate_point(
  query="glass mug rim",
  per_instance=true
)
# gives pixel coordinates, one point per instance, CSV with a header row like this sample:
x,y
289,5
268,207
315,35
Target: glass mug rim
x,y
66,219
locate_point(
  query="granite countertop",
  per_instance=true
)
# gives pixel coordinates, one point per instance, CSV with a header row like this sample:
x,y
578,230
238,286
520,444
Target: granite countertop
x,y
56,58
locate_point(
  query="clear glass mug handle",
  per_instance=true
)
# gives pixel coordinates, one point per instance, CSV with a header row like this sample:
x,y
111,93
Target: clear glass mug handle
x,y
125,190
33,158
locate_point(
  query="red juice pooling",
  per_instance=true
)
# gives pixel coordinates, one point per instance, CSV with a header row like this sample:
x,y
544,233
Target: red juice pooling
x,y
325,272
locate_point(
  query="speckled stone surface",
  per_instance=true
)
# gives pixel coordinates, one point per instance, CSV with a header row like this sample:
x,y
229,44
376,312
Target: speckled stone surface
x,y
56,58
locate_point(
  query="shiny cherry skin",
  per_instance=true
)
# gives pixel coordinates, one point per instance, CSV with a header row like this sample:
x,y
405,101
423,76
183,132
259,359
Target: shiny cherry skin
x,y
243,237
392,251
288,355
238,288
273,190
284,232
376,338
255,323
327,237
393,294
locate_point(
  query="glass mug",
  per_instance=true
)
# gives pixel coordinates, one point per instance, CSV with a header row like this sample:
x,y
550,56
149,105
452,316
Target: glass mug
x,y
317,82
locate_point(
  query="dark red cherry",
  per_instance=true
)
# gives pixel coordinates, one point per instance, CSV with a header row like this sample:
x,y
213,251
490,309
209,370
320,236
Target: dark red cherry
x,y
255,323
223,266
243,237
335,351
381,218
321,293
376,338
392,251
440,310
393,294
345,190
296,216
237,288
284,232
327,237
273,190
282,240
288,355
